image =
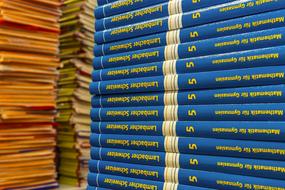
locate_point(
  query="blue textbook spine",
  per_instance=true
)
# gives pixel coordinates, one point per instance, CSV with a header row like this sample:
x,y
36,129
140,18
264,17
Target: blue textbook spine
x,y
117,7
224,112
154,12
103,2
207,179
126,183
225,28
189,19
243,130
193,81
239,42
259,94
96,188
193,145
240,166
273,56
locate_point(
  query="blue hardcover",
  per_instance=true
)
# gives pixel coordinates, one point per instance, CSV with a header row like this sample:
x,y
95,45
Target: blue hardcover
x,y
103,2
256,94
239,42
154,12
193,81
125,183
117,7
170,174
252,23
243,166
242,130
189,19
192,145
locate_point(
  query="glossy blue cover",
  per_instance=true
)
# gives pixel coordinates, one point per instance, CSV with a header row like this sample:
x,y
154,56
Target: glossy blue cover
x,y
239,42
193,81
103,2
117,7
189,19
225,28
153,12
125,183
251,167
192,145
247,167
242,130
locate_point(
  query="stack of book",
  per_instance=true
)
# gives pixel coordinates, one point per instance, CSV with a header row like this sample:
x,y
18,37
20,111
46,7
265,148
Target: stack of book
x,y
73,103
29,41
188,95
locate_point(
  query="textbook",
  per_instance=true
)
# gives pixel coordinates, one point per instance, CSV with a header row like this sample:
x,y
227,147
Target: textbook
x,y
189,19
116,7
251,23
193,81
95,188
126,183
176,175
220,112
239,42
258,94
242,130
103,2
231,165
193,145
272,56
153,12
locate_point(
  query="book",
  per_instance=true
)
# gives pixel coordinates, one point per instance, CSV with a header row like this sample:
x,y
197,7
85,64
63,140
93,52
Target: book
x,y
272,56
175,175
95,188
234,26
220,112
76,45
193,145
231,165
189,19
118,182
117,7
192,81
240,42
103,2
153,12
255,94
242,130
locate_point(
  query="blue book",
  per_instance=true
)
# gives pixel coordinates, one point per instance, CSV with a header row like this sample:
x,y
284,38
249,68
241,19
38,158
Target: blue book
x,y
239,42
103,2
170,174
240,166
242,130
273,56
193,81
221,112
189,19
256,94
192,145
153,12
251,23
116,7
96,188
126,183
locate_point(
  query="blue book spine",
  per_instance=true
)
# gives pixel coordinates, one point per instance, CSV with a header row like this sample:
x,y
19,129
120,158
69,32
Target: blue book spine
x,y
154,12
225,28
224,112
167,174
103,2
193,81
260,94
273,56
193,145
263,131
240,166
95,188
125,183
117,7
239,42
189,19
